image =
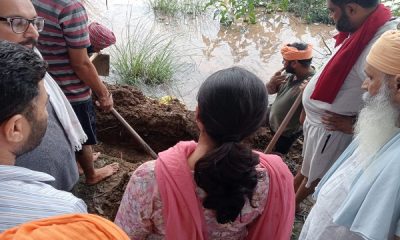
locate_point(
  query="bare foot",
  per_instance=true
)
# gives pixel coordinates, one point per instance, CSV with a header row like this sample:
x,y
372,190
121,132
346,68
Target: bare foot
x,y
96,155
102,173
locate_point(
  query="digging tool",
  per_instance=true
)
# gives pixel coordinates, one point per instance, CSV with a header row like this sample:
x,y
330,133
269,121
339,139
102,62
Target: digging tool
x,y
284,124
125,123
101,62
134,133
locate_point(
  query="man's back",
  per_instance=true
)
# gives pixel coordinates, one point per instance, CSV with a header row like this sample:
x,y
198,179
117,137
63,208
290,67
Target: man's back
x,y
24,197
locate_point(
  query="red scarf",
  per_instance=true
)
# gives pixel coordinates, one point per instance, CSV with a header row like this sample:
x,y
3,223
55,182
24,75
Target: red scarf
x,y
335,72
183,212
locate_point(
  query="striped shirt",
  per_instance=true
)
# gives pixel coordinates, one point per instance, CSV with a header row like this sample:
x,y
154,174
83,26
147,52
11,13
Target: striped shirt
x,y
24,197
65,27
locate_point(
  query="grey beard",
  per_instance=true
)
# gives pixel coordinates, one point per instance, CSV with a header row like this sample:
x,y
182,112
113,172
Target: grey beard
x,y
377,122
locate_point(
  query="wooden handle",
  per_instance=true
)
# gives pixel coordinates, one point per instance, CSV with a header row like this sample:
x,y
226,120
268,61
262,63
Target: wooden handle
x,y
284,124
134,133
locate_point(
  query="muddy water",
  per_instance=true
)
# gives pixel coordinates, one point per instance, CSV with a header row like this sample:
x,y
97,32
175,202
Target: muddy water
x,y
205,46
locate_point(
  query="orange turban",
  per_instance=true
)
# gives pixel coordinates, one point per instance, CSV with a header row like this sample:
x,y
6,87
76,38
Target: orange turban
x,y
385,53
290,53
67,227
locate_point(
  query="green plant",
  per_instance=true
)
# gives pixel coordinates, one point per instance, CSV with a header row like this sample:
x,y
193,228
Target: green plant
x,y
311,11
230,10
149,57
174,7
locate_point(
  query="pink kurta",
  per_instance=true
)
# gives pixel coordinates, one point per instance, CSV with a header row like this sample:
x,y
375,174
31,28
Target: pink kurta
x,y
143,208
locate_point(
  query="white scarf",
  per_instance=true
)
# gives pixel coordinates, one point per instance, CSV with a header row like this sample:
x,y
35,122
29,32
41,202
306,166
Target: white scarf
x,y
64,112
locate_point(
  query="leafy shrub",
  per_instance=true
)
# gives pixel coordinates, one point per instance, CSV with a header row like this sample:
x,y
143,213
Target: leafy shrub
x,y
148,58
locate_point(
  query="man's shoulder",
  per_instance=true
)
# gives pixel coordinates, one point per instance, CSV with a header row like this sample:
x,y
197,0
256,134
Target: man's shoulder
x,y
56,4
36,194
389,25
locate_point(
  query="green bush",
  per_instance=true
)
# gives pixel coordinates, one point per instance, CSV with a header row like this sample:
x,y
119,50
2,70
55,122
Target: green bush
x,y
311,10
229,10
175,7
148,58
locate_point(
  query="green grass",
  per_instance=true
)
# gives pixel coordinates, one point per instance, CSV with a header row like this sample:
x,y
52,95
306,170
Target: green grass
x,y
150,58
176,7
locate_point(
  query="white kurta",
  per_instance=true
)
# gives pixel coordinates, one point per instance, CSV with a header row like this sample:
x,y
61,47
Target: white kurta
x,y
321,147
319,223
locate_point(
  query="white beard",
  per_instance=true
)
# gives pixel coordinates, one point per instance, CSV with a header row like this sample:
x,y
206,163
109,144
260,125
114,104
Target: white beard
x,y
376,122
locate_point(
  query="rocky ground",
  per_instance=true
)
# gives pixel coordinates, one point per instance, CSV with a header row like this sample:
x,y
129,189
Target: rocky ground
x,y
161,126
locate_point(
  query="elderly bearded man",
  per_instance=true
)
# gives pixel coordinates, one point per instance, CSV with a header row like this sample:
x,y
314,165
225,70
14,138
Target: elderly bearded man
x,y
333,97
359,196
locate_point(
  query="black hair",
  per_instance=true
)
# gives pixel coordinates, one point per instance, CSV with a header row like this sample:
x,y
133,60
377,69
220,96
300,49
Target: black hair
x,y
302,46
232,105
21,69
362,3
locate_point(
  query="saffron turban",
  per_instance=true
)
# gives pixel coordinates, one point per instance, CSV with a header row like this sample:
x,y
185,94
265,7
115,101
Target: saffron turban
x,y
290,53
385,53
100,36
66,227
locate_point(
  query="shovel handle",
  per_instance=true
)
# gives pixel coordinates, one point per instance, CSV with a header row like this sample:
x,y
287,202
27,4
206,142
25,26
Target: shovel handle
x,y
284,124
134,133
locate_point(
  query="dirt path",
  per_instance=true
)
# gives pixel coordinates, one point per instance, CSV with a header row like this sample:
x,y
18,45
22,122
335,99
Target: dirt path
x,y
161,126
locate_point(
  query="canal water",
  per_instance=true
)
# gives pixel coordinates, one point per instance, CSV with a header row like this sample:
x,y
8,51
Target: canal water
x,y
204,46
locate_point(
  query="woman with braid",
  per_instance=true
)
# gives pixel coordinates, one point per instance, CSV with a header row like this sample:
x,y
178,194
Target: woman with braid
x,y
215,188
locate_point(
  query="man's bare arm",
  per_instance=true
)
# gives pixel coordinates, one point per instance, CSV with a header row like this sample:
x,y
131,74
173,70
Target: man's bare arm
x,y
86,72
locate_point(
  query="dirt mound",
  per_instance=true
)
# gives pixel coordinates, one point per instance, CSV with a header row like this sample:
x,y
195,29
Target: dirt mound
x,y
160,125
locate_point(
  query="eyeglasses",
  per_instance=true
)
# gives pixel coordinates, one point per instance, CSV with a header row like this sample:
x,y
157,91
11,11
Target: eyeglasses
x,y
20,25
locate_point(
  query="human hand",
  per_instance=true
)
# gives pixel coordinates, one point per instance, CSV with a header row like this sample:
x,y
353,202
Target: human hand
x,y
338,122
276,80
106,103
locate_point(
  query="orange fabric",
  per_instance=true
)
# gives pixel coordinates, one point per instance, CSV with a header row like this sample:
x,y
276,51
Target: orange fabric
x,y
66,227
291,53
385,53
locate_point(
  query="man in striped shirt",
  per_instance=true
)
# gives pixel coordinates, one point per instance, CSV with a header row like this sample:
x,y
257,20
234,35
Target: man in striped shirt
x,y
63,44
23,122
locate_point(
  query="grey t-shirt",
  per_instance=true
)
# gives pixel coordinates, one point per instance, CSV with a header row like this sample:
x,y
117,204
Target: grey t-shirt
x,y
54,155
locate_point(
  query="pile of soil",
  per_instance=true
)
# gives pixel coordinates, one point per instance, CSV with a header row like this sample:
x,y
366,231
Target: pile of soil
x,y
161,126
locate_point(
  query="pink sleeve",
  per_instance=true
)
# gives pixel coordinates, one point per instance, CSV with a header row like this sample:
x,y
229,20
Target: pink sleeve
x,y
135,212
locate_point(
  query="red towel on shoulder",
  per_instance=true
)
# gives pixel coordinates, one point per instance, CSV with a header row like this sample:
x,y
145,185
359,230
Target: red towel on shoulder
x,y
335,72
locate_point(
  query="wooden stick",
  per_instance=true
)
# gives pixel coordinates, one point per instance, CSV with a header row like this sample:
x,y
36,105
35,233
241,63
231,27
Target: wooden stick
x,y
94,56
134,133
127,126
284,124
